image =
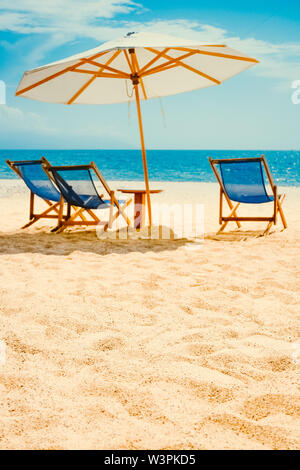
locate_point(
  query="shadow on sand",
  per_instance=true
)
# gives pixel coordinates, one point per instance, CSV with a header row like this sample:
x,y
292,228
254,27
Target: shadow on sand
x,y
84,241
238,235
44,242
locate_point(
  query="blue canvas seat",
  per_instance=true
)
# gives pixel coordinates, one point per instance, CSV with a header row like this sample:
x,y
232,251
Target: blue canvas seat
x,y
242,181
37,180
78,188
39,184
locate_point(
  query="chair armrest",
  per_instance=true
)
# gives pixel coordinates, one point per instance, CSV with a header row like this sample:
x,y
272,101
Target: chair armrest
x,y
275,203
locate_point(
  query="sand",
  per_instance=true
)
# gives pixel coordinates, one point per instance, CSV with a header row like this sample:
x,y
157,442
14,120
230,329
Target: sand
x,y
149,344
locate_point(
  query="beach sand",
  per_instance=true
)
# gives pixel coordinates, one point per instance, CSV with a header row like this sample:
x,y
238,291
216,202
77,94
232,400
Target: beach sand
x,y
149,344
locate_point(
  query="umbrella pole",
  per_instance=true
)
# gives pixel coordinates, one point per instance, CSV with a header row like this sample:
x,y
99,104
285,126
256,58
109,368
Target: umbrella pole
x,y
138,106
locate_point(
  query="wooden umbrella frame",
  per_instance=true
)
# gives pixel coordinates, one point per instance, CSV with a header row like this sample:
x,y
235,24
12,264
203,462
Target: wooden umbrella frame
x,y
136,75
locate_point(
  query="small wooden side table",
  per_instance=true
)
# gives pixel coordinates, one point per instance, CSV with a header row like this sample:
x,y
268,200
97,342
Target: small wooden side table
x,y
139,204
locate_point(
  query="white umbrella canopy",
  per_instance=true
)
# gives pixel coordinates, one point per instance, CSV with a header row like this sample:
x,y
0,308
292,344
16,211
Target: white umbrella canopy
x,y
133,67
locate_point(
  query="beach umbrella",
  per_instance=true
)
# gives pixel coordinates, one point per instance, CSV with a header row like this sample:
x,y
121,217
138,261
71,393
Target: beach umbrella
x,y
134,67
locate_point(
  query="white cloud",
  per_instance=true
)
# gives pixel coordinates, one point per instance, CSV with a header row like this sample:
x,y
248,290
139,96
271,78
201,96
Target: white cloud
x,y
64,21
277,60
72,16
15,120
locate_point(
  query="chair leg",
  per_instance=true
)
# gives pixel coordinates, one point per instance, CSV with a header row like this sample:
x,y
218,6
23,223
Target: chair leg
x,y
31,206
66,217
118,213
32,217
279,209
269,226
40,216
230,207
60,212
54,206
63,225
32,221
221,206
68,210
232,213
60,215
96,219
111,210
82,216
283,219
121,210
78,212
221,209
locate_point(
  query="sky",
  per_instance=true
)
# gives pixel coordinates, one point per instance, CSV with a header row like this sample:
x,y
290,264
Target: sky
x,y
254,110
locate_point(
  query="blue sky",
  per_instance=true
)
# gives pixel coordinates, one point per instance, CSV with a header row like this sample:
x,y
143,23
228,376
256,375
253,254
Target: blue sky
x,y
253,110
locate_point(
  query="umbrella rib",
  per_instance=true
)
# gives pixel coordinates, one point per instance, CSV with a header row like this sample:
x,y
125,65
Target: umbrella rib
x,y
110,75
99,74
218,54
81,90
202,74
133,66
47,79
191,69
106,67
161,69
128,60
171,60
143,89
90,81
177,62
151,62
57,74
91,72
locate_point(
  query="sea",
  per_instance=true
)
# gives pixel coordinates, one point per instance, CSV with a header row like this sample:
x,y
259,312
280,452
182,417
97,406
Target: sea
x,y
163,165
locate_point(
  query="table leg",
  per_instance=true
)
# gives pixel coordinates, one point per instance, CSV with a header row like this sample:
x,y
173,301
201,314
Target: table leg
x,y
139,210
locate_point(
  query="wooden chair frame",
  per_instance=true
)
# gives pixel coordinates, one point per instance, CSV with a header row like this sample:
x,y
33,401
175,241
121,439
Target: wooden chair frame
x,y
80,212
233,217
52,206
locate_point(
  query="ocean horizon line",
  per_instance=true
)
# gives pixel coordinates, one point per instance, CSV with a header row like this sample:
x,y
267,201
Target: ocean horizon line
x,y
150,149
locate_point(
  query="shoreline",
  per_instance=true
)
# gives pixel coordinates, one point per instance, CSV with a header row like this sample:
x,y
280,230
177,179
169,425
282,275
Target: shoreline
x,y
16,185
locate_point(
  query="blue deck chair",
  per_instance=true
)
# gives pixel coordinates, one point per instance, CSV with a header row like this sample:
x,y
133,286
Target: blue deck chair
x,y
242,181
39,184
78,188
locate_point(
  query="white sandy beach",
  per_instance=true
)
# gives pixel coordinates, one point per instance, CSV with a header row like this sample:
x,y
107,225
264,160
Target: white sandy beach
x,y
149,344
